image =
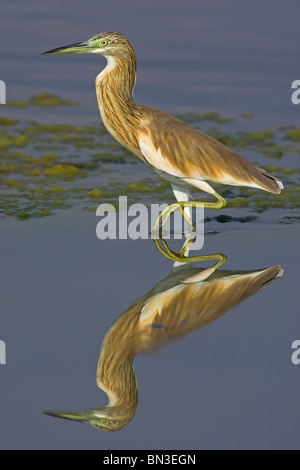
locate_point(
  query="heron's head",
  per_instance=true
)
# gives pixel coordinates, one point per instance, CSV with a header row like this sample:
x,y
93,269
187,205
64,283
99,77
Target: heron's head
x,y
108,44
105,419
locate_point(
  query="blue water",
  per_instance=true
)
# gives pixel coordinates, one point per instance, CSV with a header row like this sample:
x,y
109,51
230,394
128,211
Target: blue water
x,y
229,56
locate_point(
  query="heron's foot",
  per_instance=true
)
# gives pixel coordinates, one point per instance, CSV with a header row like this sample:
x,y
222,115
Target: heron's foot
x,y
171,208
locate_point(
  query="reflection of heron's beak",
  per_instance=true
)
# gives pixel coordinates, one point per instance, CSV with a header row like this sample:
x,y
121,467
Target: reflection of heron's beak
x,y
83,416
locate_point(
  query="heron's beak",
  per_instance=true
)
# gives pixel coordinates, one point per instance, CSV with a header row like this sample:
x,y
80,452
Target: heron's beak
x,y
84,416
78,47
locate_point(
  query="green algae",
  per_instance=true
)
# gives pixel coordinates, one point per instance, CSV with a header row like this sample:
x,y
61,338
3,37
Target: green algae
x,y
215,117
47,100
289,198
226,139
239,202
57,189
22,215
273,150
4,121
42,165
46,159
44,100
109,157
95,193
18,103
210,116
248,138
140,188
40,129
63,169
10,141
44,212
293,135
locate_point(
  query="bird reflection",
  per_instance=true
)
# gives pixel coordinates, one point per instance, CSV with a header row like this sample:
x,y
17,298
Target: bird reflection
x,y
188,299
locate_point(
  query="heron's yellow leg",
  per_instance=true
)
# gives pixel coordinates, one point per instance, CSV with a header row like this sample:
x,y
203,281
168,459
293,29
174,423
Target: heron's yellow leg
x,y
173,256
221,202
167,210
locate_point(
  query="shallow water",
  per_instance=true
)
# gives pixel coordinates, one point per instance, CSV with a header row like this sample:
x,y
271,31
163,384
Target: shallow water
x,y
228,385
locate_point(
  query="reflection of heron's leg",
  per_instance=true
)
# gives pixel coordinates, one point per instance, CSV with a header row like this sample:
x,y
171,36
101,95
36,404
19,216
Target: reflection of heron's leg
x,y
173,256
186,247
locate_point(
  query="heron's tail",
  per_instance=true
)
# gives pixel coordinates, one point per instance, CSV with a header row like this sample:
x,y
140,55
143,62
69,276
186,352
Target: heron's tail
x,y
266,181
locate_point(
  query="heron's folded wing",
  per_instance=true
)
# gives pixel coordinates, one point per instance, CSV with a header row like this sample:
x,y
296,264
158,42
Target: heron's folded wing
x,y
172,146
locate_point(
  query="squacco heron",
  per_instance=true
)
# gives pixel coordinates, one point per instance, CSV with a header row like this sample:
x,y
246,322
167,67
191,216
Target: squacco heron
x,y
181,154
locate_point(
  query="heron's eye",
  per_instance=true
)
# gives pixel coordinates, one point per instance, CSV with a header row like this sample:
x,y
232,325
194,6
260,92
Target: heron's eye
x,y
104,421
103,42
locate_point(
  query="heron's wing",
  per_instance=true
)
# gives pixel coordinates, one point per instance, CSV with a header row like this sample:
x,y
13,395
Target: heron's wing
x,y
197,302
181,151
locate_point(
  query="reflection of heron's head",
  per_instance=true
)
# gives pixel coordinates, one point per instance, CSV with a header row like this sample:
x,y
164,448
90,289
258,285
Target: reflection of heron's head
x,y
108,418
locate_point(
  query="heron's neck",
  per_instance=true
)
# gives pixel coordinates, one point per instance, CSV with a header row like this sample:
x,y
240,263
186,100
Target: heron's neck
x,y
114,88
115,374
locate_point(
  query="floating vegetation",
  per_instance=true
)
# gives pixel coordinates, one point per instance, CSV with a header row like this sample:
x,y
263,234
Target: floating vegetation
x,y
293,134
49,167
211,116
44,100
64,170
7,121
